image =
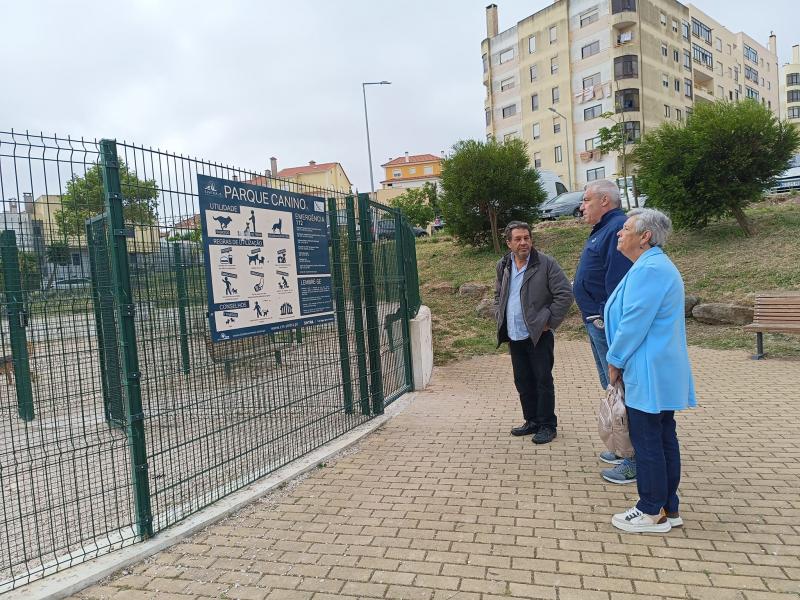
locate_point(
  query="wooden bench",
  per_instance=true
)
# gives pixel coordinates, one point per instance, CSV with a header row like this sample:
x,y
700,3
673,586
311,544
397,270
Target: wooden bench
x,y
269,349
775,312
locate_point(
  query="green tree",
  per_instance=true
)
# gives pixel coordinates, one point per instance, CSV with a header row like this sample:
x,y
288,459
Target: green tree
x,y
84,198
415,203
58,255
724,158
29,272
485,185
616,139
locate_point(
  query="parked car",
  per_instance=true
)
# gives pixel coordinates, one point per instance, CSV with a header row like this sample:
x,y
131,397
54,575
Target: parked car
x,y
419,231
787,181
551,184
565,204
622,183
384,230
71,282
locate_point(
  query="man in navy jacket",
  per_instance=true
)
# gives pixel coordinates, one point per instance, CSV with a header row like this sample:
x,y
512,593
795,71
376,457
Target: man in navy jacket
x,y
600,269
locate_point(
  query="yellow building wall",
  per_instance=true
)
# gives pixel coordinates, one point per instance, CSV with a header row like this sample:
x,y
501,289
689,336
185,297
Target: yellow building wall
x,y
413,170
332,179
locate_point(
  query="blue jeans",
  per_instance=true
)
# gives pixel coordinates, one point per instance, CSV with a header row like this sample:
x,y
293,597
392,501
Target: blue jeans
x,y
658,460
597,339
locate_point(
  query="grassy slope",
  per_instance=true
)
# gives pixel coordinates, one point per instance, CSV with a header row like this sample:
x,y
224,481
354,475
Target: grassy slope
x,y
718,265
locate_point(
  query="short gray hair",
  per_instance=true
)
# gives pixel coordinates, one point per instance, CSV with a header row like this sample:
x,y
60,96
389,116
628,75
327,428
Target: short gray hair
x,y
607,188
515,225
654,221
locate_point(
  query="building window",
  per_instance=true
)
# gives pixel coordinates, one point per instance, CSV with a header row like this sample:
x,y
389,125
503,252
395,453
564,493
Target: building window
x,y
667,111
664,50
506,84
750,54
730,95
769,85
536,131
553,34
591,81
679,114
532,44
412,170
664,80
687,88
535,102
556,96
506,55
663,18
674,25
556,126
485,63
622,6
397,173
590,49
534,73
794,112
702,56
76,259
676,56
592,112
751,93
793,79
632,130
702,31
592,143
509,111
509,136
626,67
685,30
728,48
557,154
537,160
488,116
589,17
427,170
595,174
554,65
719,68
720,92
687,60
750,73
627,100
718,44
736,74
677,85
793,96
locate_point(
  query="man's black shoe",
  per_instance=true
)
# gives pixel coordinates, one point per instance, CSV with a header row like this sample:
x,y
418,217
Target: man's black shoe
x,y
526,428
544,436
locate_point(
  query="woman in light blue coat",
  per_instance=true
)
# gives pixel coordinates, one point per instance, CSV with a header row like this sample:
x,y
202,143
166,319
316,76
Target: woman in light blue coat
x,y
646,333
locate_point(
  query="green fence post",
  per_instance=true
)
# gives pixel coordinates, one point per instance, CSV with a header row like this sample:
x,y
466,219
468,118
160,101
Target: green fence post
x,y
403,243
183,304
371,304
17,321
127,327
341,308
355,294
98,317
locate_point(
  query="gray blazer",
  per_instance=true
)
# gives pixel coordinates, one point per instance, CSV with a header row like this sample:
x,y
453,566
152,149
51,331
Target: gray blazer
x,y
546,295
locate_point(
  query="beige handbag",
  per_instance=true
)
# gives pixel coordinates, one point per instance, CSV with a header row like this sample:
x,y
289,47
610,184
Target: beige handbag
x,y
612,422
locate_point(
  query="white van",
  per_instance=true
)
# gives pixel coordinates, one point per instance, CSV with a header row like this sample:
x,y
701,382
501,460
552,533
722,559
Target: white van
x,y
551,184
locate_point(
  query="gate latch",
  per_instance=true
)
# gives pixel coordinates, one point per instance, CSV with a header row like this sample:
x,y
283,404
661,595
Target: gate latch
x,y
23,318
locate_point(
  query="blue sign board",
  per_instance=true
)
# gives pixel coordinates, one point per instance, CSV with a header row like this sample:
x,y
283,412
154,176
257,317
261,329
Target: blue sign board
x,y
267,260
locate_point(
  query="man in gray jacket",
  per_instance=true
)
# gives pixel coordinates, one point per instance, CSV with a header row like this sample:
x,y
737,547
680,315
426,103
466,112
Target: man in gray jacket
x,y
532,296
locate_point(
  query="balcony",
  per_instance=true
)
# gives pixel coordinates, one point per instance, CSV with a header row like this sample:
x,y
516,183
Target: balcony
x,y
623,13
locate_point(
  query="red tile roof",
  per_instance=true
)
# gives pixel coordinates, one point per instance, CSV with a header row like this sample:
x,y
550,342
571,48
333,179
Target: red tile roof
x,y
315,168
416,158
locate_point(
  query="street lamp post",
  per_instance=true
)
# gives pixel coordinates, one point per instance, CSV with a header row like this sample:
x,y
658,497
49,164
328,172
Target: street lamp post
x,y
569,154
366,121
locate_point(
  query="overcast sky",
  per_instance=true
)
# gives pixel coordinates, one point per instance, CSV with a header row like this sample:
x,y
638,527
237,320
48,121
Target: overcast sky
x,y
240,81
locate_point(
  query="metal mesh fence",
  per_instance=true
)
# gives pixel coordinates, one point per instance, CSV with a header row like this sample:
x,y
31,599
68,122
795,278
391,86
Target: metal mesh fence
x,y
102,441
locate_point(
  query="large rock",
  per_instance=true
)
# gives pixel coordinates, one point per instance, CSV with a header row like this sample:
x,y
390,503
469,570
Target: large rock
x,y
474,289
716,313
689,304
485,309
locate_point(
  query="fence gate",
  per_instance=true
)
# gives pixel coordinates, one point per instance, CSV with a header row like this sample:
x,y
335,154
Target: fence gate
x,y
119,416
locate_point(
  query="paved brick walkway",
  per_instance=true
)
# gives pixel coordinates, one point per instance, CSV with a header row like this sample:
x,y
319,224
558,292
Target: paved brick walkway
x,y
443,504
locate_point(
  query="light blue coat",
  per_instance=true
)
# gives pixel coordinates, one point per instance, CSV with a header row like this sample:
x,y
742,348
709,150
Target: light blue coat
x,y
646,334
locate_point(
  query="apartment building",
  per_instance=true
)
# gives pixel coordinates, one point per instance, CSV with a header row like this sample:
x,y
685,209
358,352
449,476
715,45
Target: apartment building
x,y
790,95
550,78
409,171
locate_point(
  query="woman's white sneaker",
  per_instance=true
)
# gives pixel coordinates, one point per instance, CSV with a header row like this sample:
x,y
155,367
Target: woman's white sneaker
x,y
635,521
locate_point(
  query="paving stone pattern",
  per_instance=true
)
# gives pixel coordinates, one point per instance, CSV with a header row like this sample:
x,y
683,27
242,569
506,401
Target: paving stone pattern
x,y
443,504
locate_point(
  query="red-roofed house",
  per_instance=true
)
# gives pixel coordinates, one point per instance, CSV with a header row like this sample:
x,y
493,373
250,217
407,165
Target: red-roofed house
x,y
409,171
324,175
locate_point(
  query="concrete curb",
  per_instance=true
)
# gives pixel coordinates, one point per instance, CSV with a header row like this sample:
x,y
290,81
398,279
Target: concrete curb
x,y
73,579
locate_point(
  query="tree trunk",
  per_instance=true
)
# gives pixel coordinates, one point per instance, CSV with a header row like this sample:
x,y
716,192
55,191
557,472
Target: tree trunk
x,y
493,225
741,219
51,278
